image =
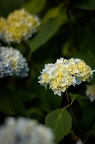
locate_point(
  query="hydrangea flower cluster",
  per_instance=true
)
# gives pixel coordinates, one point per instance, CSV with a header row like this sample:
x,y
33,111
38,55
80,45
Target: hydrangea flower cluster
x,y
12,63
64,73
25,131
3,24
90,92
19,25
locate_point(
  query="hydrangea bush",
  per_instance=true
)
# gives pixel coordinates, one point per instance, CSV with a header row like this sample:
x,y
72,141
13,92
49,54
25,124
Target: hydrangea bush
x,y
50,44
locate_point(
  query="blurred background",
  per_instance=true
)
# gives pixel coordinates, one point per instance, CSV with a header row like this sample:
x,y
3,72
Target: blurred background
x,y
67,30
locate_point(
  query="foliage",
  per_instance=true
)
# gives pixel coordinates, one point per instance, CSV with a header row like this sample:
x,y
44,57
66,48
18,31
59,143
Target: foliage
x,y
60,121
67,30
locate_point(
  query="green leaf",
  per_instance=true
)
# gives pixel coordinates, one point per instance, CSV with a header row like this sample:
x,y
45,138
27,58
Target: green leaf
x,y
47,31
86,4
52,13
81,99
35,113
92,130
26,95
11,104
35,6
77,97
88,117
16,105
49,101
4,104
46,98
60,121
56,12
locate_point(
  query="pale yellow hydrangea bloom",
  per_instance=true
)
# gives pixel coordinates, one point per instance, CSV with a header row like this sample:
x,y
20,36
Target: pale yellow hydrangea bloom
x,y
84,70
3,24
21,25
79,69
64,73
90,92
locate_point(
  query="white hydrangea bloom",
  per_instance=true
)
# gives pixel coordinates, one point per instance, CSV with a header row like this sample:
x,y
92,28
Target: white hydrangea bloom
x,y
64,73
79,142
90,92
25,131
12,63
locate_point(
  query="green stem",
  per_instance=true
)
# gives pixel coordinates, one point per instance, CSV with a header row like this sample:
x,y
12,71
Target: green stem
x,y
84,141
67,95
70,104
73,116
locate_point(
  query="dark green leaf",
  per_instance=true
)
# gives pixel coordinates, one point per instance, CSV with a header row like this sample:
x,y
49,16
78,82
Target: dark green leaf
x,y
16,105
60,121
35,6
92,130
35,113
56,12
77,97
46,98
88,117
5,105
86,4
11,104
26,95
81,99
47,31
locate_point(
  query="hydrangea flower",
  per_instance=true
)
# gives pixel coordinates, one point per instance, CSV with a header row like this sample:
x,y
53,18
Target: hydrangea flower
x,y
64,73
79,142
20,26
3,24
90,92
25,131
12,63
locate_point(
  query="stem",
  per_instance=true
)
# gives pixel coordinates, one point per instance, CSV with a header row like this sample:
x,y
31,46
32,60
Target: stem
x,y
67,95
73,116
84,141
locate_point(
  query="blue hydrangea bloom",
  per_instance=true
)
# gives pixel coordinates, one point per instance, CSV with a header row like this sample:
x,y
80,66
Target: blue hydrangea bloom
x,y
12,63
